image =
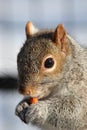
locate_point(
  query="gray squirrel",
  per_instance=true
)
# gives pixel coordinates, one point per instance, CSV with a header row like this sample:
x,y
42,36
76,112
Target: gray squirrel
x,y
52,67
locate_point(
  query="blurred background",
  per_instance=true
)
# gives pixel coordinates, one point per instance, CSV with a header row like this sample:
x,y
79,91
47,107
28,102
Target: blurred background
x,y
44,14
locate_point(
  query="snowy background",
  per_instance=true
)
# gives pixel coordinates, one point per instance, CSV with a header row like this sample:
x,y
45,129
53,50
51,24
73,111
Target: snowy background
x,y
44,14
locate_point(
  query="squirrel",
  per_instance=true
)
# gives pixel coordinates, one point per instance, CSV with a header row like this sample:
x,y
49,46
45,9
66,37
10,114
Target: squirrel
x,y
52,67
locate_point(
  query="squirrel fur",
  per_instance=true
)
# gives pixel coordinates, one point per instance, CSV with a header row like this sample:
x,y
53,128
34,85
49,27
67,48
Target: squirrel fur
x,y
52,66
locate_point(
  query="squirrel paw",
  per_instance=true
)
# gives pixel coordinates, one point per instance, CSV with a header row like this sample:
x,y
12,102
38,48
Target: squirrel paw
x,y
21,110
34,113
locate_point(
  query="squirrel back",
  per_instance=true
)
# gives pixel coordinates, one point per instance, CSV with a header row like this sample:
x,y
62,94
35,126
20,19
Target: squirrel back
x,y
53,67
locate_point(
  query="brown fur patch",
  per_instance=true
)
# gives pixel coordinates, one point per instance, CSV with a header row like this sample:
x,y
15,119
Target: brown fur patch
x,y
27,90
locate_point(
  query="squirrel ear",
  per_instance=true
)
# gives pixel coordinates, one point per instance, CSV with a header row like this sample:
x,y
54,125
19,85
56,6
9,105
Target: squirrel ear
x,y
30,29
60,38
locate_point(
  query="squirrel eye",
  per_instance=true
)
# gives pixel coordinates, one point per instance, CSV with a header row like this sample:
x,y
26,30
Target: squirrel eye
x,y
49,63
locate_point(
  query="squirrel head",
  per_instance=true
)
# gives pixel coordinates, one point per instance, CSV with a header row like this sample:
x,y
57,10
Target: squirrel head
x,y
40,60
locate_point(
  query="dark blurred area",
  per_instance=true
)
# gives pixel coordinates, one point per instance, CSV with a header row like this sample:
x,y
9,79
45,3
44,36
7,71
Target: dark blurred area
x,y
8,83
14,15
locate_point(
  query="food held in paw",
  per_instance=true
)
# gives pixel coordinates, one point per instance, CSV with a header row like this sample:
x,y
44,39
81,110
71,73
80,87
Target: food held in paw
x,y
33,100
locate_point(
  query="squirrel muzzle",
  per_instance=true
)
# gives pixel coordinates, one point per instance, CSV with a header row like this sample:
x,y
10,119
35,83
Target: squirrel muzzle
x,y
27,90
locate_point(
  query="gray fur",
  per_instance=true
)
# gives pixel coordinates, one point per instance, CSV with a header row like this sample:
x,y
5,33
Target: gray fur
x,y
64,107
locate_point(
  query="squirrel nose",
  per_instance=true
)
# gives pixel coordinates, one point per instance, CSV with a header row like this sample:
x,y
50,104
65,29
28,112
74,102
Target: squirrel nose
x,y
25,90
